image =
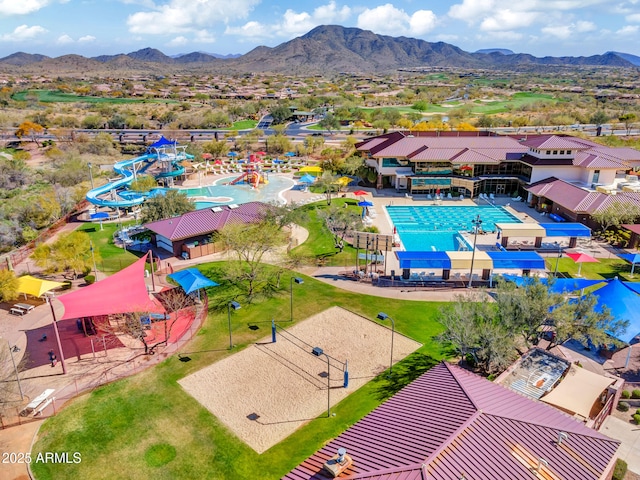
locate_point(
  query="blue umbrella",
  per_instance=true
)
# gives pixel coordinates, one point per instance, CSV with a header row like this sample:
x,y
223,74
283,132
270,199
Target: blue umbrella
x,y
632,258
191,280
232,154
307,178
99,216
365,203
290,154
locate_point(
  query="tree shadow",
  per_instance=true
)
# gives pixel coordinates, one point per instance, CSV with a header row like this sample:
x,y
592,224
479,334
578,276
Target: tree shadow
x,y
404,373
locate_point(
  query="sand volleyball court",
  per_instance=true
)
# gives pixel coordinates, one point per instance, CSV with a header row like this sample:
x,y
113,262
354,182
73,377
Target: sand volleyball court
x,y
268,390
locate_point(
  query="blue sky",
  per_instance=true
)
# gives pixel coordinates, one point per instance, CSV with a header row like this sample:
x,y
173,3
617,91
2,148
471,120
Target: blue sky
x,y
95,27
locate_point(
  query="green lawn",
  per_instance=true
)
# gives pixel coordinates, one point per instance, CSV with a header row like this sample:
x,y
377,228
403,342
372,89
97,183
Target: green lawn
x,y
111,259
244,125
321,245
56,96
605,268
146,426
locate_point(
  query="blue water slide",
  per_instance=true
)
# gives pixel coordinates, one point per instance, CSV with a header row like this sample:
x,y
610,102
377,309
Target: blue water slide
x,y
124,198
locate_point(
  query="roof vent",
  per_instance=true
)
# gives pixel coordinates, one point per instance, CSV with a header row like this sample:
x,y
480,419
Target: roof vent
x,y
216,209
233,206
338,463
542,463
562,436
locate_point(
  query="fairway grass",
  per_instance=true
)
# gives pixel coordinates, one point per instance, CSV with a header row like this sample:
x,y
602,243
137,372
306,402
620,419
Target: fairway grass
x,y
146,426
56,96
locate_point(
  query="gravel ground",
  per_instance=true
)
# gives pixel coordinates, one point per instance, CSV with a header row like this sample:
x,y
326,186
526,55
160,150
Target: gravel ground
x,y
285,384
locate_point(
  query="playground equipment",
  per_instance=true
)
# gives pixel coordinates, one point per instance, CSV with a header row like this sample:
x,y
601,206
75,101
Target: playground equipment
x,y
166,153
252,178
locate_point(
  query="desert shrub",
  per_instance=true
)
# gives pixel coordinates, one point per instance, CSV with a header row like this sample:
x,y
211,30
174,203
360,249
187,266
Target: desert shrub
x,y
66,285
623,406
620,470
635,393
89,279
625,394
636,418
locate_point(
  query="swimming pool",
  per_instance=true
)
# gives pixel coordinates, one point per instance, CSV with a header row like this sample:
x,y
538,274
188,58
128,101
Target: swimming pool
x,y
220,194
437,227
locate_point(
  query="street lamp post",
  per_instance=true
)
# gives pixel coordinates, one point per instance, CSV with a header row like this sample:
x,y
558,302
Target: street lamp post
x,y
91,173
477,223
384,316
235,306
299,281
317,351
93,258
15,368
555,272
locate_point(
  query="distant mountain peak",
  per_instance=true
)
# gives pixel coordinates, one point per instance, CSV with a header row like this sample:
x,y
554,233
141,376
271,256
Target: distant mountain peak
x,y
503,51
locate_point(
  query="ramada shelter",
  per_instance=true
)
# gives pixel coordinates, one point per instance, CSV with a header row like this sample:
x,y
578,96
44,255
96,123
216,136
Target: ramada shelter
x,y
474,163
189,235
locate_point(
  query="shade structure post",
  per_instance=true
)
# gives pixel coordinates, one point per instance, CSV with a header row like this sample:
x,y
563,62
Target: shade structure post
x,y
235,306
477,223
57,334
317,351
299,281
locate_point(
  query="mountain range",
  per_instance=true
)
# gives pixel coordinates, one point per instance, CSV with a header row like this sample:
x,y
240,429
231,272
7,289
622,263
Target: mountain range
x,y
327,48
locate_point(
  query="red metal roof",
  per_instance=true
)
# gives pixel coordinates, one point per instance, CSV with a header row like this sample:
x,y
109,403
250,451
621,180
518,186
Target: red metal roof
x,y
205,221
450,422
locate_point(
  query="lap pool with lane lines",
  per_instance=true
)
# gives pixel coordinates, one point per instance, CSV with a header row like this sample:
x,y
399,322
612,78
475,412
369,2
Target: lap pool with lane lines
x,y
437,227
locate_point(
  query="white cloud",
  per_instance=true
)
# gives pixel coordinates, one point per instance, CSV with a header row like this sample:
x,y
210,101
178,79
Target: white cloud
x,y
633,18
64,39
387,19
21,7
203,36
178,41
23,32
560,31
628,30
507,19
330,13
422,21
566,31
250,30
87,39
182,16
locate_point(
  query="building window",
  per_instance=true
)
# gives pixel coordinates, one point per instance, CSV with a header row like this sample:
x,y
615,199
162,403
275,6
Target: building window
x,y
555,152
548,152
561,152
596,176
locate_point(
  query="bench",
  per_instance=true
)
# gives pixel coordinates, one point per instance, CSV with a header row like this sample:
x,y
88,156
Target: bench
x,y
24,306
36,402
17,311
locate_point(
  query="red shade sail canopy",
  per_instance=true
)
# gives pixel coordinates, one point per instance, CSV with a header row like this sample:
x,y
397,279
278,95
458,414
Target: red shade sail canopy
x,y
126,291
581,258
360,193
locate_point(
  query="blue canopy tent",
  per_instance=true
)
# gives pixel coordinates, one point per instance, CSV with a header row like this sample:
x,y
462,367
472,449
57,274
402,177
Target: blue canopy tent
x,y
566,230
520,260
632,258
162,142
623,303
558,285
307,178
423,259
191,280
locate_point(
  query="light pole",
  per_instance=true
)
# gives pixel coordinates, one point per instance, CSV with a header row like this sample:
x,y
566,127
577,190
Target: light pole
x,y
299,281
91,173
384,316
477,223
317,351
235,306
555,272
93,257
15,368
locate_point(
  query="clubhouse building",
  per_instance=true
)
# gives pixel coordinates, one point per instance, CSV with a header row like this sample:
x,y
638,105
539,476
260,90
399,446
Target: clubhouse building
x,y
568,176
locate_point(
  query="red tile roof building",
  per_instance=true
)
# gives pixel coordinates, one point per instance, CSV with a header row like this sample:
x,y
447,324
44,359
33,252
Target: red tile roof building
x,y
451,424
174,233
